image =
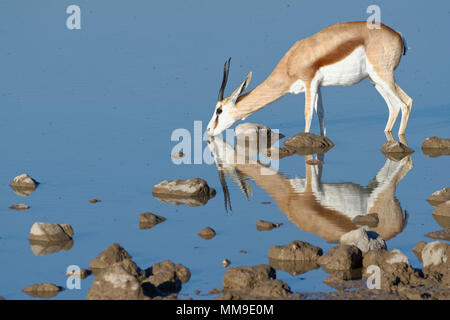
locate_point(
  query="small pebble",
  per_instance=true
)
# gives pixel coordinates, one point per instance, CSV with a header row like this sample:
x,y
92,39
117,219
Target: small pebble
x,y
95,200
19,206
226,262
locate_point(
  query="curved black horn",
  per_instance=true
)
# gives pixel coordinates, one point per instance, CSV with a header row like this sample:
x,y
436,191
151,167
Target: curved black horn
x,y
226,70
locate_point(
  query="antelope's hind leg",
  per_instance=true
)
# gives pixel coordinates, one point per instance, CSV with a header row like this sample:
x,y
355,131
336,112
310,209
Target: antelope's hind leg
x,y
310,104
406,111
320,113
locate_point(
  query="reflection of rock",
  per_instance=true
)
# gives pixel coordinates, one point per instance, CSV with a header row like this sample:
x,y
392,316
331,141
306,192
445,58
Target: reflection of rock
x,y
191,192
370,220
343,257
439,197
42,290
442,209
364,240
443,221
395,150
434,147
207,233
262,225
50,232
279,153
440,235
296,250
24,185
42,248
309,143
148,220
294,267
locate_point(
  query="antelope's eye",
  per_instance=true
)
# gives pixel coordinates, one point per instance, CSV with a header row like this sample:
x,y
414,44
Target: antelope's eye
x,y
219,111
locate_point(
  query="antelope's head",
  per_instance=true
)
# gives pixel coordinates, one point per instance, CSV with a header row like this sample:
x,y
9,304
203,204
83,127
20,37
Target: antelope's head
x,y
225,111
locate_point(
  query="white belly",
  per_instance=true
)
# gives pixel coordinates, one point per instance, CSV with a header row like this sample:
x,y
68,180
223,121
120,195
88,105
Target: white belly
x,y
346,72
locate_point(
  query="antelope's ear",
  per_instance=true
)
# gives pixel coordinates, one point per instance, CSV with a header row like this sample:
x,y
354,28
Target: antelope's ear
x,y
235,95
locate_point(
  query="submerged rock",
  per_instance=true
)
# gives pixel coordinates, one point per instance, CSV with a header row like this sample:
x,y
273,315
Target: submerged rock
x,y
207,233
262,225
343,257
42,290
439,197
148,220
19,207
111,255
308,143
370,220
192,192
50,232
364,240
296,250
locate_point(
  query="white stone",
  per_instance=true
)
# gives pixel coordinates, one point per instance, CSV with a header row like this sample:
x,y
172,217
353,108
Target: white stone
x,y
363,240
434,253
396,256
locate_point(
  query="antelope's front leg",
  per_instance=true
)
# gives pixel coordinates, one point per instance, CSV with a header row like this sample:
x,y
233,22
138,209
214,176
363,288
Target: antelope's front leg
x,y
310,102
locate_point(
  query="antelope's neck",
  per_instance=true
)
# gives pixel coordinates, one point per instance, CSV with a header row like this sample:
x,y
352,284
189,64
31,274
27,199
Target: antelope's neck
x,y
264,94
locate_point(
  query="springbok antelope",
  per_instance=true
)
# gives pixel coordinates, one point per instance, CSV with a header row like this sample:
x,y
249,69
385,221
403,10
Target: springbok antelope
x,y
340,55
326,209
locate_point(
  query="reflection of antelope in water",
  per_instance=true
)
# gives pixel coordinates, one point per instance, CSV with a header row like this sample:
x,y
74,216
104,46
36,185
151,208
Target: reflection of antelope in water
x,y
326,209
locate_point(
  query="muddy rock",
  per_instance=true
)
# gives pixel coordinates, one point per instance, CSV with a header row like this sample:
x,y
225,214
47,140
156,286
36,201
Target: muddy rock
x,y
307,143
344,257
363,239
270,289
417,250
42,290
244,277
181,271
439,235
50,232
293,267
19,207
262,225
439,197
296,250
111,255
395,150
442,209
207,233
191,192
115,283
148,220
41,248
370,220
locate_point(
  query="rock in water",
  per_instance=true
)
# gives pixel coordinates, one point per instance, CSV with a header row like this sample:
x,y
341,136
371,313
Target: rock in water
x,y
262,225
207,233
395,150
442,209
42,290
435,146
343,257
148,220
296,250
307,143
113,254
439,197
440,235
19,206
50,232
244,277
184,191
116,283
364,240
23,185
